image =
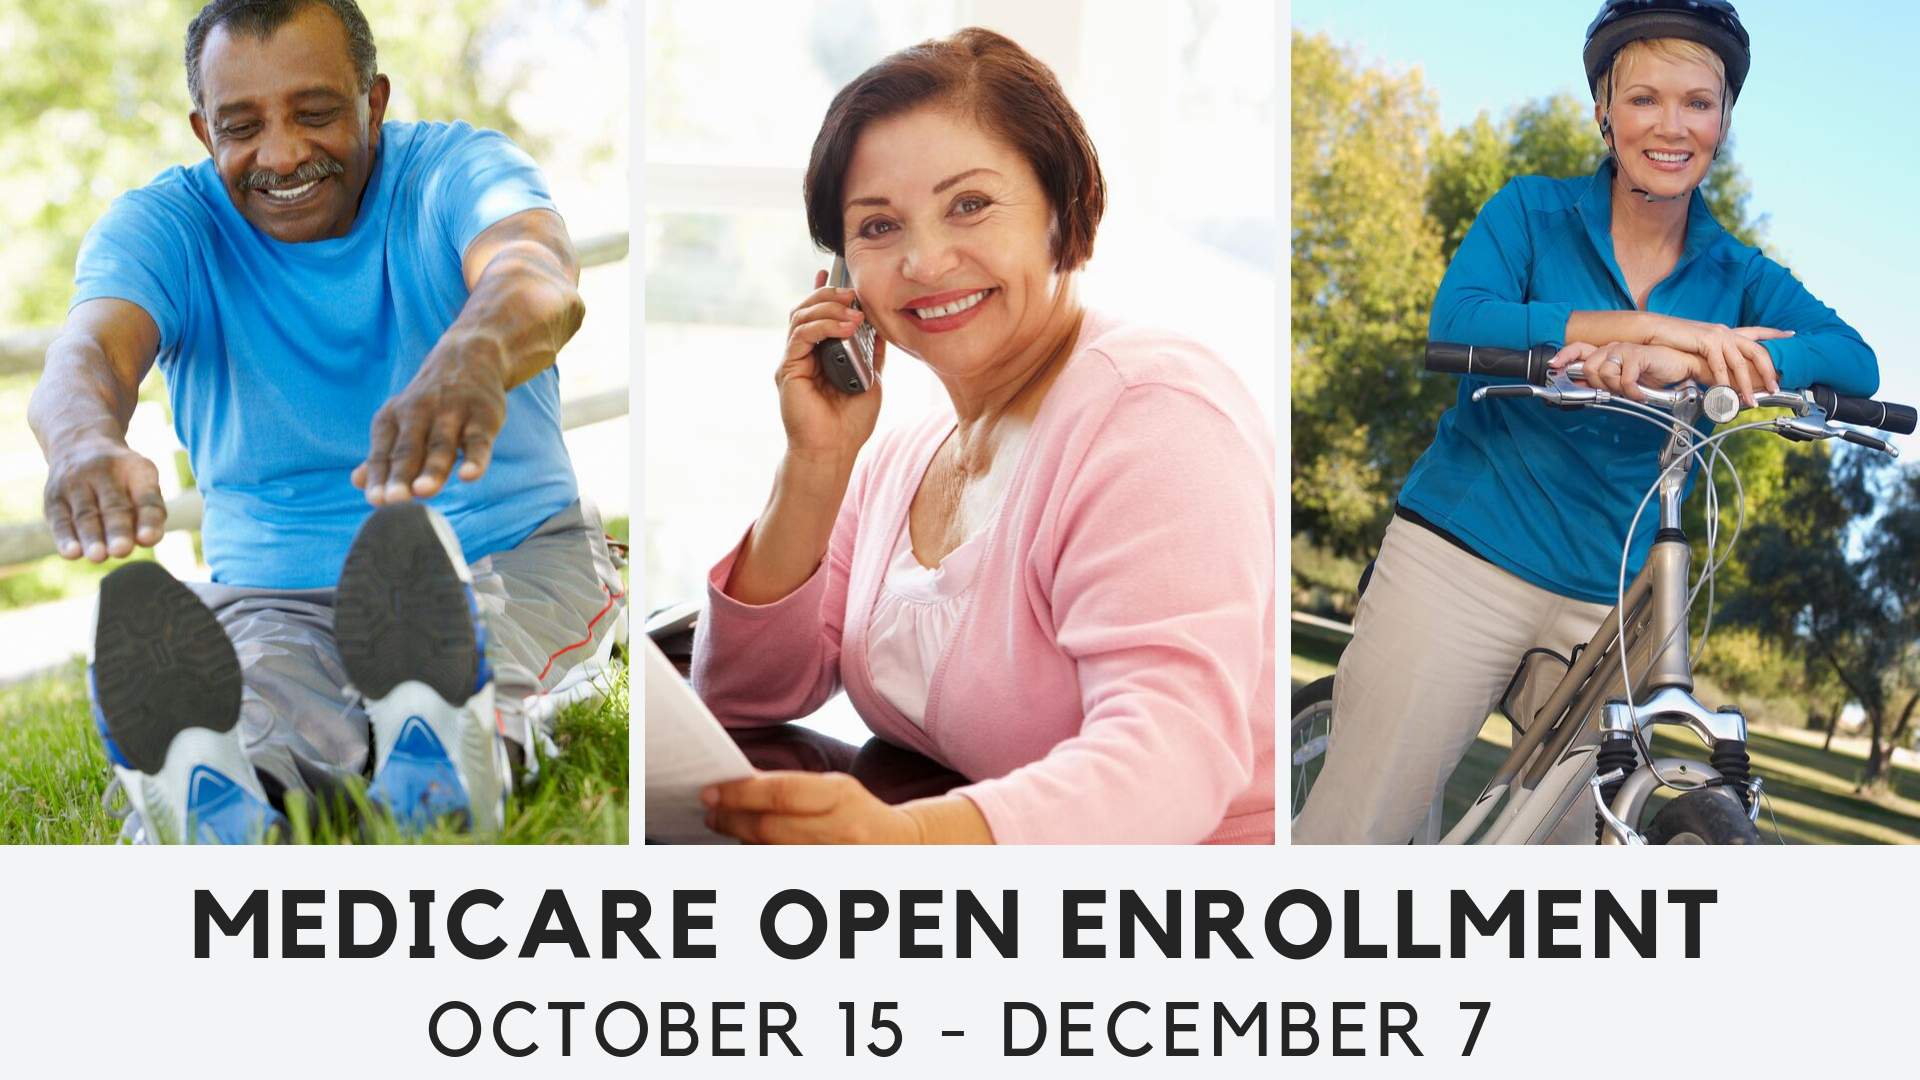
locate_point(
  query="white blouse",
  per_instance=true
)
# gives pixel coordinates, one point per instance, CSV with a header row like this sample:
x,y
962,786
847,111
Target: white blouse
x,y
914,616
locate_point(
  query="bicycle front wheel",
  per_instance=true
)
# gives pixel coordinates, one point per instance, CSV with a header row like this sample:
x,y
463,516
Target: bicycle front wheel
x,y
1706,816
1312,728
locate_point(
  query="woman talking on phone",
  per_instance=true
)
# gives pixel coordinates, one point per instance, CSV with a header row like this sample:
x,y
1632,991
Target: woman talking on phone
x,y
1063,588
1507,532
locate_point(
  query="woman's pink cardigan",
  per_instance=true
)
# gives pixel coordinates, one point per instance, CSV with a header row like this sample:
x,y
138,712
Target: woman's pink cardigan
x,y
1112,677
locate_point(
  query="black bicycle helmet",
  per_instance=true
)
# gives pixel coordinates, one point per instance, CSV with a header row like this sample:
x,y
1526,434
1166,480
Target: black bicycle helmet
x,y
1712,23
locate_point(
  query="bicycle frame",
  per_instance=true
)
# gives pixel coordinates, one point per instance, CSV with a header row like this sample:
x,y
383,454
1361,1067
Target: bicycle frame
x,y
1547,772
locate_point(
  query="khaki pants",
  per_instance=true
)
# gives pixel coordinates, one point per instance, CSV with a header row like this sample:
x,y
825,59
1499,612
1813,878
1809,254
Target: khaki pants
x,y
1436,640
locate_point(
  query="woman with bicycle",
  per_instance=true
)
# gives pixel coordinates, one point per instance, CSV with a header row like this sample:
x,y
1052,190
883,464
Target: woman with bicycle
x,y
1506,533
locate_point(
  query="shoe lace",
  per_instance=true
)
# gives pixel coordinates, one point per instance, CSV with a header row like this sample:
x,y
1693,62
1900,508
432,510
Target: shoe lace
x,y
132,829
121,811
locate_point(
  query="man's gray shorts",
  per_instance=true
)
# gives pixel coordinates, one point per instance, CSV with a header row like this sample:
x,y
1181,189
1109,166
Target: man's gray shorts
x,y
549,604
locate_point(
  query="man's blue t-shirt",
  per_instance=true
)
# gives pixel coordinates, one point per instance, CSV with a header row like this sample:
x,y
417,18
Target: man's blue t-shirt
x,y
278,355
1548,494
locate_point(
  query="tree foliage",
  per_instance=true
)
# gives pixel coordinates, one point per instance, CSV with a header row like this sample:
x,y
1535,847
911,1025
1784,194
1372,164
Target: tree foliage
x,y
93,102
1850,602
1366,261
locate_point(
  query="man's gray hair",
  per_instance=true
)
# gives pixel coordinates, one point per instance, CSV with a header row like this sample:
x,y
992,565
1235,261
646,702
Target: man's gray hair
x,y
260,18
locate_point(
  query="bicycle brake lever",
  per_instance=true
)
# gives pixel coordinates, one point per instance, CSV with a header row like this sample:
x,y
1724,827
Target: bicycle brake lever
x,y
1505,390
1799,429
1562,392
1868,441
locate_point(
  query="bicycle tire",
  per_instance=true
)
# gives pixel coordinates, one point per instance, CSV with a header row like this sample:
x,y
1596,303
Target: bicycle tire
x,y
1706,816
1312,728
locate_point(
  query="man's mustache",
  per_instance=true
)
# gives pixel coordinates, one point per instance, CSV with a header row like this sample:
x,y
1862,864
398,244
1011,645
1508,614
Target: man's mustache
x,y
319,168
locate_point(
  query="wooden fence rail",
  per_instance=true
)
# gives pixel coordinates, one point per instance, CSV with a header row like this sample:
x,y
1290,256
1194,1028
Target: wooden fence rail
x,y
23,352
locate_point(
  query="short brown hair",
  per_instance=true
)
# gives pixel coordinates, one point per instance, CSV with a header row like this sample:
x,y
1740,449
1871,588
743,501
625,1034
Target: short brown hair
x,y
997,84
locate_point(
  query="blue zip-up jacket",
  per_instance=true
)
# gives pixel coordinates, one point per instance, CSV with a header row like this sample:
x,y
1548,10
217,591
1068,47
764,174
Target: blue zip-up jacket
x,y
1548,494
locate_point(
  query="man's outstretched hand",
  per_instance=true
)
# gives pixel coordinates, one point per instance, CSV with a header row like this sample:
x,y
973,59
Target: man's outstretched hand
x,y
453,407
101,499
521,308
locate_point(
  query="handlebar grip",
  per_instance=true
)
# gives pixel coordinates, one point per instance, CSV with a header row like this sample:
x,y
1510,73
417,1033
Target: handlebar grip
x,y
1866,412
1451,359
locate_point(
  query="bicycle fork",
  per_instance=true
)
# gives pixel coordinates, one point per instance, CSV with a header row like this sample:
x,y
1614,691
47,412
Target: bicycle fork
x,y
1620,785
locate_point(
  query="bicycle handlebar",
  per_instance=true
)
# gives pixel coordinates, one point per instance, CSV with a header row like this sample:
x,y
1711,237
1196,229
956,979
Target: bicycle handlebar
x,y
1531,365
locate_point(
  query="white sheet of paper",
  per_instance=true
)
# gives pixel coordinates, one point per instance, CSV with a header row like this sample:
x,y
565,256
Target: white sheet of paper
x,y
687,749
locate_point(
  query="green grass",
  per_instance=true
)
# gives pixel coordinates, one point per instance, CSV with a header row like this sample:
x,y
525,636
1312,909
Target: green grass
x,y
55,578
1312,659
1810,790
53,771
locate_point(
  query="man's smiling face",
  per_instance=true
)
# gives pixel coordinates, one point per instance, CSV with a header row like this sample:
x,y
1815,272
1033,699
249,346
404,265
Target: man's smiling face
x,y
291,134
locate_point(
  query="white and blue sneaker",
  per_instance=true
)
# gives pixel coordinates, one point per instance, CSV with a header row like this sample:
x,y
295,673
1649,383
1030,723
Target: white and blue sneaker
x,y
412,641
165,688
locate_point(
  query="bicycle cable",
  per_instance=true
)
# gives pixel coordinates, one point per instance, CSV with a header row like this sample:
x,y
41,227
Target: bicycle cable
x,y
1779,837
1708,444
1710,570
1707,575
1712,443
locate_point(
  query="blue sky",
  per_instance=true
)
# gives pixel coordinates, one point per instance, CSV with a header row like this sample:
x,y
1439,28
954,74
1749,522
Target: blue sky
x,y
1825,128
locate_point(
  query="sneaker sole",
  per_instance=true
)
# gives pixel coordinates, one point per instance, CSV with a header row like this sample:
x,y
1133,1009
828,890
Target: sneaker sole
x,y
405,625
402,611
166,689
161,664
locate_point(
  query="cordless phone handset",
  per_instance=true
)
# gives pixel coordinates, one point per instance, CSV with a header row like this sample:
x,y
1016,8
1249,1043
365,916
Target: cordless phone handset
x,y
847,362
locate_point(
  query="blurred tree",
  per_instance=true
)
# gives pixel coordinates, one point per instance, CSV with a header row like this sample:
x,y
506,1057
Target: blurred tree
x,y
1852,607
1893,553
1365,263
93,102
1827,697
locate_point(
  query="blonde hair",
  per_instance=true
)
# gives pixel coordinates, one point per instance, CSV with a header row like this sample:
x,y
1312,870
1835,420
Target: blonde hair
x,y
1676,50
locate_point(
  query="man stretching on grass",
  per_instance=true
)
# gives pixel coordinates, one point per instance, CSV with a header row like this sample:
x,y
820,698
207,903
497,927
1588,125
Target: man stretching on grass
x,y
321,276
